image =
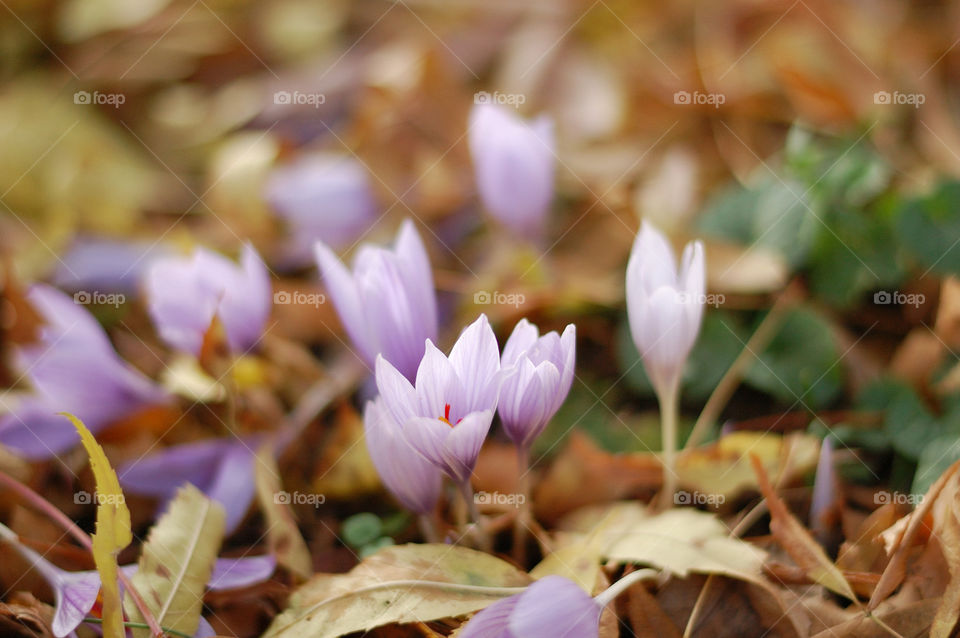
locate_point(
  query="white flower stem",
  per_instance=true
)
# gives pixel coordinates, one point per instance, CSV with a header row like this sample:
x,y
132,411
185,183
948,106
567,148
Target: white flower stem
x,y
605,597
428,527
475,528
523,512
669,399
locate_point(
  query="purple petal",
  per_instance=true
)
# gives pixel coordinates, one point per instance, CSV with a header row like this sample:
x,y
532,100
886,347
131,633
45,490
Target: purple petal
x,y
438,386
35,431
75,594
399,397
462,444
204,630
106,265
412,479
427,436
417,277
526,400
824,485
233,484
555,607
492,621
476,358
346,301
523,337
234,573
245,304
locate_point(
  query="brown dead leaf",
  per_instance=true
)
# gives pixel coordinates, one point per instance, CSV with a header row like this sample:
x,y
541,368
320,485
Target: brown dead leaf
x,y
798,542
947,324
25,616
917,357
911,620
646,616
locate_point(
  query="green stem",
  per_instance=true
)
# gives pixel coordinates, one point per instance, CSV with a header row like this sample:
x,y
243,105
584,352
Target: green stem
x,y
139,625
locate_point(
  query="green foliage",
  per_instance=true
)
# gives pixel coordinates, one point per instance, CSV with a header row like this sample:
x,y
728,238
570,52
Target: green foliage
x,y
929,228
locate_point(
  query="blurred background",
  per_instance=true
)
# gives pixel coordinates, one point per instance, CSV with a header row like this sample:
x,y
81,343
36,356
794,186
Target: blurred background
x,y
807,142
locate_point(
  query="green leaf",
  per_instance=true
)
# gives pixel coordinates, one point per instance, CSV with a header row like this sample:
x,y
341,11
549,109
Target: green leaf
x,y
177,561
937,455
361,529
929,228
801,363
402,584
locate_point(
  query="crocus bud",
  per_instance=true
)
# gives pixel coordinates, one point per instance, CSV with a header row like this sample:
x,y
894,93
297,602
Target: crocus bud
x,y
322,197
446,416
184,295
413,480
72,368
552,607
664,307
387,305
514,164
543,372
823,504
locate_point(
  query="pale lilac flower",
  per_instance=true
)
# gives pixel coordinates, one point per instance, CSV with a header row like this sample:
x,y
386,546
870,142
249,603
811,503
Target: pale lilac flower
x,y
185,294
75,593
220,468
552,607
824,497
543,375
387,305
514,165
664,306
72,368
413,480
322,197
107,265
447,414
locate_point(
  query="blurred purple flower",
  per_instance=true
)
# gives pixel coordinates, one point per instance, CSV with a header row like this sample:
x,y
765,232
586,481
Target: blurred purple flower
x,y
514,165
322,197
72,368
552,607
413,480
220,468
447,414
664,307
75,593
824,498
186,293
543,375
387,305
107,265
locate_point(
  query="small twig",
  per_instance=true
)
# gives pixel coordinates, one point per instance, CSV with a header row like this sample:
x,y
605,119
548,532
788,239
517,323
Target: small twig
x,y
732,377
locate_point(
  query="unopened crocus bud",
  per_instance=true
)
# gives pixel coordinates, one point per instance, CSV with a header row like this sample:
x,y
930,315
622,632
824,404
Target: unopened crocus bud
x,y
387,304
552,607
322,197
543,372
185,294
664,306
412,479
447,414
514,165
825,493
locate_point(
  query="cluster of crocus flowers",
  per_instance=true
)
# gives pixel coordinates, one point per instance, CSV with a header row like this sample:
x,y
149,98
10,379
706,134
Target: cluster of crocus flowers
x,y
322,197
387,303
665,308
72,367
75,593
185,294
514,165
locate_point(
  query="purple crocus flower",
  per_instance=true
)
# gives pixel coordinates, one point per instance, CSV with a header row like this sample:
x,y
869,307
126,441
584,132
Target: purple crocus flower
x,y
447,414
186,293
543,375
387,304
514,164
664,307
75,593
413,480
825,491
220,468
72,368
552,607
322,197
